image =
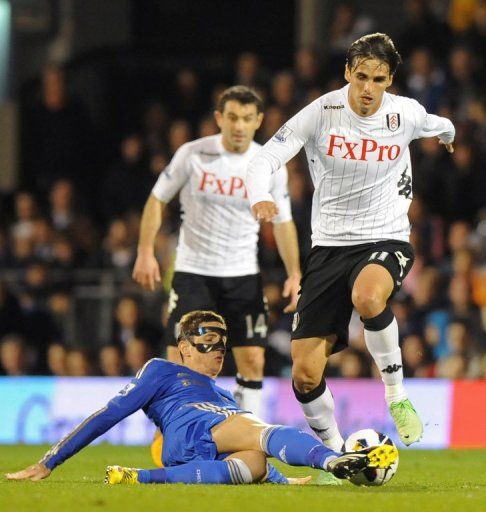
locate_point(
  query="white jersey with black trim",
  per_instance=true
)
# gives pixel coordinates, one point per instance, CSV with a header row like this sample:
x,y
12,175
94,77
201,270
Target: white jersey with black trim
x,y
219,235
360,166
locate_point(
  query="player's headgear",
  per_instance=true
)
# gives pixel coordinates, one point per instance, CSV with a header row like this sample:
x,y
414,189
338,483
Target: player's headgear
x,y
374,46
190,326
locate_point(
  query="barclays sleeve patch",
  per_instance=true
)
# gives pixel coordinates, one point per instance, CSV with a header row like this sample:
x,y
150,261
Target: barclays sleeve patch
x,y
282,134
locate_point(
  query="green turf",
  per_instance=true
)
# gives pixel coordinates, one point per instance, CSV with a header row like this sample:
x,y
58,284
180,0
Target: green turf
x,y
426,481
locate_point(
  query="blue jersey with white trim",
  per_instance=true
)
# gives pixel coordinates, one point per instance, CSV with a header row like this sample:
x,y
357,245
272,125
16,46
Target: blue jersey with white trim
x,y
171,395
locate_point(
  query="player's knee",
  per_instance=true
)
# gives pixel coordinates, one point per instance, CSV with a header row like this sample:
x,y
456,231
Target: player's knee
x,y
251,362
305,377
369,302
257,463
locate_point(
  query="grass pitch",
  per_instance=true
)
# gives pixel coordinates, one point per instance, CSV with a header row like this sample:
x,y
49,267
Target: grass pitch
x,y
426,481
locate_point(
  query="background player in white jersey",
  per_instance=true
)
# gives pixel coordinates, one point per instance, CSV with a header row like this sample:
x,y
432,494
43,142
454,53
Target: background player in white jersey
x,y
216,264
356,140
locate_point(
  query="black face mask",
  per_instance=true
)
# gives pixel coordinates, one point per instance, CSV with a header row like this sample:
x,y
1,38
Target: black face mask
x,y
205,348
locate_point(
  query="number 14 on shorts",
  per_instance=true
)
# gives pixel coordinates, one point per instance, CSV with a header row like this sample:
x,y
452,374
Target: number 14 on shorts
x,y
259,327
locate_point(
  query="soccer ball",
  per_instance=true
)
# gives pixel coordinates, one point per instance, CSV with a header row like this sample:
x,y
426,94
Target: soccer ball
x,y
370,476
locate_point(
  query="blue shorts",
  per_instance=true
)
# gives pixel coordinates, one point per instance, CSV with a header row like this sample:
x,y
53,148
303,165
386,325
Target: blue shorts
x,y
189,438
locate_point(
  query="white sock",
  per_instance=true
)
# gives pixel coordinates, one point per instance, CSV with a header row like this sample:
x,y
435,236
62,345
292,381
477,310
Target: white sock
x,y
319,413
249,398
384,348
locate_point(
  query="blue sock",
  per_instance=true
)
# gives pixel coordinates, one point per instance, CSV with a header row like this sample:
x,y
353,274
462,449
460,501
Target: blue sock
x,y
196,472
295,447
274,476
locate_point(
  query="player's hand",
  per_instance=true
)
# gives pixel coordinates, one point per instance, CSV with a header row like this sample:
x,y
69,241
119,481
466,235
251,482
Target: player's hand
x,y
299,481
291,289
449,147
146,271
265,211
35,472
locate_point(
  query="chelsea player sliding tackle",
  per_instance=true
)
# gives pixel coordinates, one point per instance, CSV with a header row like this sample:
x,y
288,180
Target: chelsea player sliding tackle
x,y
207,438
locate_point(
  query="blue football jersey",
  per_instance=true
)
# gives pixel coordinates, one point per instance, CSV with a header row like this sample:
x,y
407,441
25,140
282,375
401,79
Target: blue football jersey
x,y
171,395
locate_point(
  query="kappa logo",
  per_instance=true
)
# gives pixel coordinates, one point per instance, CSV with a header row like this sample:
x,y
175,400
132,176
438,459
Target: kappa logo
x,y
392,368
282,134
333,107
282,454
393,121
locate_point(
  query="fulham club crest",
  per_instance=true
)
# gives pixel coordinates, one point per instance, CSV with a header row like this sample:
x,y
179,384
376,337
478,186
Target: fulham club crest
x,y
393,121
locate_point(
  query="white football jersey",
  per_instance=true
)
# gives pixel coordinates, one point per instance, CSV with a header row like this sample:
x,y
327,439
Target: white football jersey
x,y
219,234
360,166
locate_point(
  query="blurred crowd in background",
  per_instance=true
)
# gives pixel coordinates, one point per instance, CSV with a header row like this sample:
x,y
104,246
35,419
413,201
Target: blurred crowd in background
x,y
69,233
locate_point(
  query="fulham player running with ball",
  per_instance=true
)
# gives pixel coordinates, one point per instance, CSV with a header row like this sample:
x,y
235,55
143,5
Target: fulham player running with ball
x,y
356,140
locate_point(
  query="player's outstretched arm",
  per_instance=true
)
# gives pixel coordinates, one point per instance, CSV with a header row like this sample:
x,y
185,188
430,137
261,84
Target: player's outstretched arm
x,y
146,271
35,473
133,397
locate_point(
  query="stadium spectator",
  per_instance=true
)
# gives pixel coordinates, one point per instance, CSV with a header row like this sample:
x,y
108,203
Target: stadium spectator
x,y
15,359
111,361
118,246
129,323
26,211
308,65
78,363
416,357
155,122
127,182
421,28
137,352
57,360
283,93
354,365
11,317
180,132
58,137
249,71
425,81
187,101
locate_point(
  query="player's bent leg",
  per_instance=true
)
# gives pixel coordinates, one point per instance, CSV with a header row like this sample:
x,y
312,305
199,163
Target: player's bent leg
x,y
250,362
288,444
371,290
370,294
237,433
252,465
309,358
234,470
173,355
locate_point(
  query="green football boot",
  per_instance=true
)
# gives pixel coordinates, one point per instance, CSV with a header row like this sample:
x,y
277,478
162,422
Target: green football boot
x,y
407,421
